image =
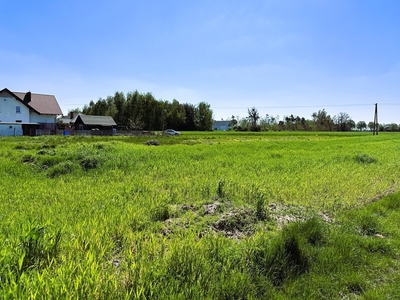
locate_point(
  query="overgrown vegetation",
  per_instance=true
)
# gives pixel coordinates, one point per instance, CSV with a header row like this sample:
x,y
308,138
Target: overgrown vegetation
x,y
224,216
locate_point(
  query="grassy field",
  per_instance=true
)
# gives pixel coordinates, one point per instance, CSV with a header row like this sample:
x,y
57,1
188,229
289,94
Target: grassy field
x,y
211,215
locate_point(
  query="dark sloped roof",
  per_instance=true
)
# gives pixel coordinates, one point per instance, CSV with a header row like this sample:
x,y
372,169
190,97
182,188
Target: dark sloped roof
x,y
95,120
64,119
42,104
221,123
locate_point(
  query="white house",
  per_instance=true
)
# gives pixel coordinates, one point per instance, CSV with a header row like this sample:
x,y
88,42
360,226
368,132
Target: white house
x,y
27,113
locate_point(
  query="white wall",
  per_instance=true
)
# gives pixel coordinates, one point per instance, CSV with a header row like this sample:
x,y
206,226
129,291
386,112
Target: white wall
x,y
35,118
8,110
220,128
10,129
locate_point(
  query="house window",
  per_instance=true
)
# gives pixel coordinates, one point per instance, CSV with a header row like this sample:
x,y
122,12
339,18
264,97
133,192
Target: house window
x,y
18,109
18,121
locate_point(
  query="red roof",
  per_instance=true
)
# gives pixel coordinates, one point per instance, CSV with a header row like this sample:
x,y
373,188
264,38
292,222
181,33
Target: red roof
x,y
42,104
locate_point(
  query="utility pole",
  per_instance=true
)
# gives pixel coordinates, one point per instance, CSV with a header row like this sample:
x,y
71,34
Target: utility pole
x,y
376,124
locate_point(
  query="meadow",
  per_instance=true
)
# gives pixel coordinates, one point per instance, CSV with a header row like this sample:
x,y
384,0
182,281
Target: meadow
x,y
206,215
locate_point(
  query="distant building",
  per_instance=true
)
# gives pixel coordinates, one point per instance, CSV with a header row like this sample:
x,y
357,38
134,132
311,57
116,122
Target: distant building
x,y
64,121
89,122
222,125
27,113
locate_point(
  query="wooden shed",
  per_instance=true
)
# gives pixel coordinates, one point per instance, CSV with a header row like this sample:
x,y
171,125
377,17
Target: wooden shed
x,y
89,122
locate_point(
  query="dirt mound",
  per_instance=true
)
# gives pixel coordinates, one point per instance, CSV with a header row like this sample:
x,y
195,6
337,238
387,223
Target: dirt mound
x,y
236,223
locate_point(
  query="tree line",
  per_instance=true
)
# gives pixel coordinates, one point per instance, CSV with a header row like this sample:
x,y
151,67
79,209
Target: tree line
x,y
141,111
320,121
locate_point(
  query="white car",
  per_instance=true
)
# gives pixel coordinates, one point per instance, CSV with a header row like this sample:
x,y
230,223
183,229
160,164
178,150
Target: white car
x,y
171,132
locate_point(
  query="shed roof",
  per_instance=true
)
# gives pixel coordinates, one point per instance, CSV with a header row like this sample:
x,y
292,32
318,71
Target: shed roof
x,y
221,123
95,120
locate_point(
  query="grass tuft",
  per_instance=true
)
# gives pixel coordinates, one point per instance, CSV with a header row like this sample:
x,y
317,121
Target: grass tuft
x,y
161,213
282,258
365,159
89,162
38,248
61,169
152,143
220,188
261,211
366,223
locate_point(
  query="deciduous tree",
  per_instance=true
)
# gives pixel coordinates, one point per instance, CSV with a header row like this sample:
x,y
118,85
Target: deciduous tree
x,y
204,116
361,125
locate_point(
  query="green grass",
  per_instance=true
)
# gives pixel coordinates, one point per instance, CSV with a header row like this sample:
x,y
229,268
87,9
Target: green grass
x,y
206,215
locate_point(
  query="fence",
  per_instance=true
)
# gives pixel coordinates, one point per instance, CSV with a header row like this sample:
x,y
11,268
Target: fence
x,y
104,132
134,132
44,132
85,132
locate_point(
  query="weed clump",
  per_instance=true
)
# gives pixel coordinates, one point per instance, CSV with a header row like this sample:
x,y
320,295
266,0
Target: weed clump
x,y
99,146
47,161
89,162
161,213
279,260
46,146
365,159
367,224
313,231
28,159
220,189
355,288
61,169
38,248
21,147
152,143
45,152
261,212
91,157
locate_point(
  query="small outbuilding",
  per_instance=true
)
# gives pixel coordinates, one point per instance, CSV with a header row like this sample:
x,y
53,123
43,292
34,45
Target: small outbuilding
x,y
222,125
89,122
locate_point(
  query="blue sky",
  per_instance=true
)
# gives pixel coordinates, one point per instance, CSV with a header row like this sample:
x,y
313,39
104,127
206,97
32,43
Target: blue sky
x,y
282,57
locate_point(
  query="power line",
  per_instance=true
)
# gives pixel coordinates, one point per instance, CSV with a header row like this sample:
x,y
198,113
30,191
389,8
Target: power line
x,y
306,106
283,106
